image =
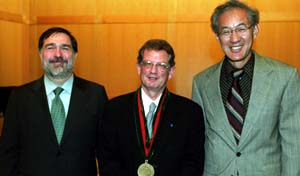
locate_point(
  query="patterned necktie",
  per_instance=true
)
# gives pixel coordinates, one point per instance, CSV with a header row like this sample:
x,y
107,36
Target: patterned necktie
x,y
58,114
235,106
149,118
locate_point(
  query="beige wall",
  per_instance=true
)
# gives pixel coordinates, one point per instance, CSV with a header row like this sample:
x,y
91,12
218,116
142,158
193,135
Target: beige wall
x,y
110,33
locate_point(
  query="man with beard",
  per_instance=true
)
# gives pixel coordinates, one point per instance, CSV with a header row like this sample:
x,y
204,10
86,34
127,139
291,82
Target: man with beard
x,y
251,103
49,132
152,131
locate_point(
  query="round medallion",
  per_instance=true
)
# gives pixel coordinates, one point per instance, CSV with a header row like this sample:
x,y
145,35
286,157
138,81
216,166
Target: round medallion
x,y
145,169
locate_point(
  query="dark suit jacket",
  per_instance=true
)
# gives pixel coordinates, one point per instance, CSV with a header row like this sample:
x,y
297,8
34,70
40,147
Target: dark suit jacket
x,y
28,145
178,148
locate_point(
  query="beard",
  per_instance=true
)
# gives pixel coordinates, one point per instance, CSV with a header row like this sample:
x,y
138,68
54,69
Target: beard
x,y
60,72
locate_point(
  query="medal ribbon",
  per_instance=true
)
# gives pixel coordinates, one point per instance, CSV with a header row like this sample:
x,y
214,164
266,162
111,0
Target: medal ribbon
x,y
147,148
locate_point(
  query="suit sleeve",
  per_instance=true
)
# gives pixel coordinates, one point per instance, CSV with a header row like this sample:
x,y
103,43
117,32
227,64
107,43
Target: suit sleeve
x,y
289,126
196,93
109,163
9,140
193,160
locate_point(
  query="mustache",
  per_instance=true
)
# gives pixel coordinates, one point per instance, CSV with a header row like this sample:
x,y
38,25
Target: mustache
x,y
58,59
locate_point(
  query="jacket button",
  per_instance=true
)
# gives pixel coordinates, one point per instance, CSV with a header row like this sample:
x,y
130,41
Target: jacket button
x,y
238,154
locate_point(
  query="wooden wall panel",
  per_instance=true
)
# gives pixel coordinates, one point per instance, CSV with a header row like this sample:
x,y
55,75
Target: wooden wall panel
x,y
107,52
110,33
15,11
14,41
63,7
108,11
13,6
280,40
13,53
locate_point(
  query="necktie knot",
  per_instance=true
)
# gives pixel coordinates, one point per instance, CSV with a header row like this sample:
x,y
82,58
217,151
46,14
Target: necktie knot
x,y
152,107
57,91
237,74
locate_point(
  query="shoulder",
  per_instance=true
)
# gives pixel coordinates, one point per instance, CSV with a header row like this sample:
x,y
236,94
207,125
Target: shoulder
x,y
89,87
274,63
29,87
266,64
121,105
125,99
81,82
185,109
181,101
93,90
211,70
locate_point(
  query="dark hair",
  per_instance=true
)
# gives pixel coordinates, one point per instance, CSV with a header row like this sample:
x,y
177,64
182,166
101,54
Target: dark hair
x,y
157,44
54,30
253,14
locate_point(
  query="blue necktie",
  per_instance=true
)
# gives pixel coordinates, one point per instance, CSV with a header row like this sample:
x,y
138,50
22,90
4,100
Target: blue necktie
x,y
149,118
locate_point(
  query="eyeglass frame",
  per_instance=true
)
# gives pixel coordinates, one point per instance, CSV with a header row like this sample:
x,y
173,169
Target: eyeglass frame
x,y
240,30
162,66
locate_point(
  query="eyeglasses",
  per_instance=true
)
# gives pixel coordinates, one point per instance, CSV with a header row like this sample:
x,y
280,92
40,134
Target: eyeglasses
x,y
161,66
239,30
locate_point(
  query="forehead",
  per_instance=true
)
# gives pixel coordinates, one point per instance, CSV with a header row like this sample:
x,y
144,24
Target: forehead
x,y
58,38
156,55
233,18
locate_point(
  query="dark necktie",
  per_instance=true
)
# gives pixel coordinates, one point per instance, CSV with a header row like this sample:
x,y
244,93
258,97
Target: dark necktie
x,y
58,114
235,106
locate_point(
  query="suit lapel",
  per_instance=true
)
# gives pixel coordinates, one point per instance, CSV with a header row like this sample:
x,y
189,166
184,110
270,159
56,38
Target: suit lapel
x,y
161,137
76,107
39,93
260,88
163,130
217,115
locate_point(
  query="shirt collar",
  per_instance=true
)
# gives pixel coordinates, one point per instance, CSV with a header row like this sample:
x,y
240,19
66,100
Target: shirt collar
x,y
147,100
248,67
50,86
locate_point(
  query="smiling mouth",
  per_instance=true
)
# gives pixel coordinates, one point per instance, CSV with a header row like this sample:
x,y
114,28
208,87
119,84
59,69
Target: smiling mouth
x,y
236,48
152,78
58,60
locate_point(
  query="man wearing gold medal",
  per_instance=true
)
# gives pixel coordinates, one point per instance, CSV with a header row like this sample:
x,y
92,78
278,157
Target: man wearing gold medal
x,y
152,131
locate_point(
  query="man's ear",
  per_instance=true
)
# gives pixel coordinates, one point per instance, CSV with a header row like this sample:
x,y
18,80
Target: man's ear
x,y
171,72
255,31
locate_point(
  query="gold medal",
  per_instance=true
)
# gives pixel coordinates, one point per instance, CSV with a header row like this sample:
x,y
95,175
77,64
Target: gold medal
x,y
145,169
